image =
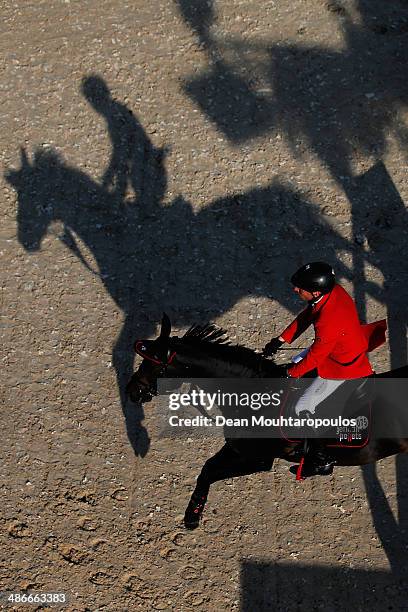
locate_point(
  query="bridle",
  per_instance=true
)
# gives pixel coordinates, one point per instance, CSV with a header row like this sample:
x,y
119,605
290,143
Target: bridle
x,y
141,349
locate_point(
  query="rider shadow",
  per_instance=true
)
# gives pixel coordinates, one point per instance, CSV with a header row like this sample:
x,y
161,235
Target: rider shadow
x,y
134,160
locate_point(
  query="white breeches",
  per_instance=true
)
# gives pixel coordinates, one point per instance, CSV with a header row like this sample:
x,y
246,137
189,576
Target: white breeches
x,y
318,391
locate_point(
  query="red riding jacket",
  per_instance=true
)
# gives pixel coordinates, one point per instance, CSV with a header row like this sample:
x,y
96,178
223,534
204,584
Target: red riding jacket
x,y
339,350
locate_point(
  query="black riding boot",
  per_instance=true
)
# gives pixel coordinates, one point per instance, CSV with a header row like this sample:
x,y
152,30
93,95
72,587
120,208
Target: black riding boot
x,y
318,462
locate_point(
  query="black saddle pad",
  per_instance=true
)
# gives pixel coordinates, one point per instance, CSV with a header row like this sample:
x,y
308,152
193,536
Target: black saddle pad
x,y
343,419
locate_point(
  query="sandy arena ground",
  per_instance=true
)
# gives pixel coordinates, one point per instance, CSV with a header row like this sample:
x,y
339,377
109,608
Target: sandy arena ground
x,y
186,156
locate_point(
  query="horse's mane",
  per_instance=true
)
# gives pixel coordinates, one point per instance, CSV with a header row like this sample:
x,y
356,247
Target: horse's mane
x,y
217,345
207,333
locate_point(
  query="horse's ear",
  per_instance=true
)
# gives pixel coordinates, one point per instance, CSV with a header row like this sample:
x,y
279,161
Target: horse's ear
x,y
24,159
165,326
14,176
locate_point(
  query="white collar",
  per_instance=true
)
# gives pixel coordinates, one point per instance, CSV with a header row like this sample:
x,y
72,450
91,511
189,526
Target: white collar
x,y
316,301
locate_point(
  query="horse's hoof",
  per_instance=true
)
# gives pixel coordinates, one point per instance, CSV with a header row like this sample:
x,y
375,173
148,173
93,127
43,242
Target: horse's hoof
x,y
194,511
189,524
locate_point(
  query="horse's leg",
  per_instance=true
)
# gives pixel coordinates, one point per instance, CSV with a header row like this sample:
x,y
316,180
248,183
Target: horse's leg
x,y
227,463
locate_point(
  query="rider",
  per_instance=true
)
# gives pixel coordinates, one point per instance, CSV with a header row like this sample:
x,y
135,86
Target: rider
x,y
339,350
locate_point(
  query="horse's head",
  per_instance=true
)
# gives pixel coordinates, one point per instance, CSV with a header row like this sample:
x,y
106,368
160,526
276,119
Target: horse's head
x,y
203,352
34,185
156,357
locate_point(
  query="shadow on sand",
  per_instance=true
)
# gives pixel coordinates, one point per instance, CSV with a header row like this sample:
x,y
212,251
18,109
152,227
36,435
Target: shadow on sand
x,y
151,257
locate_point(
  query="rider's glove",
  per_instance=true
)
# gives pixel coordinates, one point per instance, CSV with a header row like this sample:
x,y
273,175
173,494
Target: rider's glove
x,y
272,347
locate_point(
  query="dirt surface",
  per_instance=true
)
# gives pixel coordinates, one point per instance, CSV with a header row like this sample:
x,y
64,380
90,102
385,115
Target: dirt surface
x,y
187,156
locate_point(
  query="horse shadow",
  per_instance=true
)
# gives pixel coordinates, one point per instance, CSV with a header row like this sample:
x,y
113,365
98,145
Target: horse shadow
x,y
152,257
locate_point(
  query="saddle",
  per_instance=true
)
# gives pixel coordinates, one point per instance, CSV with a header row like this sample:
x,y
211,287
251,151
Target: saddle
x,y
346,416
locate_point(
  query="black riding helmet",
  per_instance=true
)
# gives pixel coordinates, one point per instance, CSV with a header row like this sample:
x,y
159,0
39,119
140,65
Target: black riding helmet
x,y
315,276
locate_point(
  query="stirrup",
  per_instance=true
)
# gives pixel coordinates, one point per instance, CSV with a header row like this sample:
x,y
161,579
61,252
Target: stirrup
x,y
307,469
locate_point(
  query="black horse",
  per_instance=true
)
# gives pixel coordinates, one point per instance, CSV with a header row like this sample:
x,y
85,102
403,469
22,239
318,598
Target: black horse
x,y
204,352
